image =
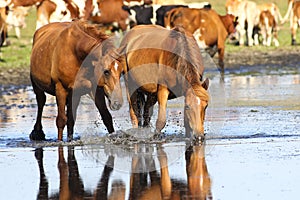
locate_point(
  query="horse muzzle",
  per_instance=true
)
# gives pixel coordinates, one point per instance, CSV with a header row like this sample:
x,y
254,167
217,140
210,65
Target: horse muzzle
x,y
115,105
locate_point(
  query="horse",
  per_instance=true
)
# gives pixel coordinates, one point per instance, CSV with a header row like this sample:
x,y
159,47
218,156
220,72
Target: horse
x,y
163,64
68,60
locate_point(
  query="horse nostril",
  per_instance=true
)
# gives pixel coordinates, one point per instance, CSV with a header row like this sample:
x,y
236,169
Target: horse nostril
x,y
116,105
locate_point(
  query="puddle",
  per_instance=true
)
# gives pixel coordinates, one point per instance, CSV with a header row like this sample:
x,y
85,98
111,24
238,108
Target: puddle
x,y
252,132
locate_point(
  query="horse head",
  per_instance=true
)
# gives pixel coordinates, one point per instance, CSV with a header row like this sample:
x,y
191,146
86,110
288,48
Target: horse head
x,y
196,102
108,71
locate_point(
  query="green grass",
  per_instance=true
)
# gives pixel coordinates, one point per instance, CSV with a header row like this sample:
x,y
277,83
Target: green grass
x,y
18,53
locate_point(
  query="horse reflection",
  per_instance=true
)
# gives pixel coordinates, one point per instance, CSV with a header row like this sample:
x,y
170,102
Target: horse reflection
x,y
71,184
161,186
145,181
44,186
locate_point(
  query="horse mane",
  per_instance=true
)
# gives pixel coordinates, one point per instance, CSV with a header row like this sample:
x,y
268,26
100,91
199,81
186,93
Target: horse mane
x,y
201,92
188,61
187,55
91,30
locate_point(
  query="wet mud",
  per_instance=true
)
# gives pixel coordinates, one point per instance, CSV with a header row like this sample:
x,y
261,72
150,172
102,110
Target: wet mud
x,y
250,152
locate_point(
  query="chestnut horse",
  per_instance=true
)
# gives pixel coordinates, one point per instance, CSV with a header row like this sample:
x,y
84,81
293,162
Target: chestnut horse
x,y
164,64
68,60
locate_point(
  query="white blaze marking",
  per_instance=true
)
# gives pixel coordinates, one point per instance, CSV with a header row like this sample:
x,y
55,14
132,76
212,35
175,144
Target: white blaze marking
x,y
198,101
116,66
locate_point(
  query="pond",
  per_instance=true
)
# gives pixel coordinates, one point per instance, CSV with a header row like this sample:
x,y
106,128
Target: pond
x,y
251,149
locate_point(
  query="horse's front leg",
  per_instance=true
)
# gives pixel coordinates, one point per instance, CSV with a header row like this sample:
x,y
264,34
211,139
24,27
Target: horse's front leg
x,y
73,102
37,132
101,105
165,182
162,98
61,100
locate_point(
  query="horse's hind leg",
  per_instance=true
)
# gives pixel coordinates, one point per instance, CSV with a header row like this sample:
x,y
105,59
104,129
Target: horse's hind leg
x,y
148,109
37,132
136,106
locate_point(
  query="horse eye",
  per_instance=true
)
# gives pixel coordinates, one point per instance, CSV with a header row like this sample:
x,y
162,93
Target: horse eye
x,y
187,107
106,72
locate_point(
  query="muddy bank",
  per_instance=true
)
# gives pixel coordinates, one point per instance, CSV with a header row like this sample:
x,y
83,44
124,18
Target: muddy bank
x,y
281,57
14,76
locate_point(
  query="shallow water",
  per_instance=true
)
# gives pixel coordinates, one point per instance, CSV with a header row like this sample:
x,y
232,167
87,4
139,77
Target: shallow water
x,y
251,152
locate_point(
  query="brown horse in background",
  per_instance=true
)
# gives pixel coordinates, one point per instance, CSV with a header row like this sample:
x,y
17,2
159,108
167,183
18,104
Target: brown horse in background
x,y
164,64
69,60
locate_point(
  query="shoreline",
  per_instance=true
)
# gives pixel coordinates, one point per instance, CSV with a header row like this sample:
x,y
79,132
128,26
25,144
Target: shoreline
x,y
234,60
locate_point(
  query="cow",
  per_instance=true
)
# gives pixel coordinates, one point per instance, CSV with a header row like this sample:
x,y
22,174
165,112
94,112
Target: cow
x,y
294,13
111,12
3,26
16,19
155,14
247,12
268,27
274,11
55,11
208,27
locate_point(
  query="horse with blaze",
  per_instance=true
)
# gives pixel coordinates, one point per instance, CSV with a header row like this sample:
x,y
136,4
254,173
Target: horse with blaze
x,y
163,64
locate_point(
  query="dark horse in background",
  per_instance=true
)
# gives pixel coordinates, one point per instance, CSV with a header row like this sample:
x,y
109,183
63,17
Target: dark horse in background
x,y
163,64
68,60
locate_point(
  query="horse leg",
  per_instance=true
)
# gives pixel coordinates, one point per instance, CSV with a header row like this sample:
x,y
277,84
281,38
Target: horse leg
x,y
61,100
72,105
162,97
101,106
148,109
188,129
37,132
165,182
133,117
137,102
221,58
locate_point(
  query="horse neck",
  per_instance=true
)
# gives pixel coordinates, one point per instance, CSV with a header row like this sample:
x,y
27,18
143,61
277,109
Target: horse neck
x,y
84,42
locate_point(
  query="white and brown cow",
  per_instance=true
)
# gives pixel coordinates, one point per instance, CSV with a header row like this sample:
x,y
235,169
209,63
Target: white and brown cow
x,y
268,28
56,11
247,12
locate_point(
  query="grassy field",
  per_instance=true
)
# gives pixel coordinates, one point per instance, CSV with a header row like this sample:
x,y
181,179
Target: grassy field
x,y
17,54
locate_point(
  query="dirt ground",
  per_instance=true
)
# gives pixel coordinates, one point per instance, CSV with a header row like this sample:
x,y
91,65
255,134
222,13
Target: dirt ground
x,y
285,57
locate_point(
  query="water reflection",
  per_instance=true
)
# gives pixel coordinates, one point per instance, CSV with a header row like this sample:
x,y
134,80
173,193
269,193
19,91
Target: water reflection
x,y
144,182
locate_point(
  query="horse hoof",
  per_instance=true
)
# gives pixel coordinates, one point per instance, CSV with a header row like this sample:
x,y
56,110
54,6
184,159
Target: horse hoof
x,y
70,138
198,139
37,135
158,136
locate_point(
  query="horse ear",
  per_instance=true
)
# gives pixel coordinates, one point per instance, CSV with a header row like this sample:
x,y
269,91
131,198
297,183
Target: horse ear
x,y
205,84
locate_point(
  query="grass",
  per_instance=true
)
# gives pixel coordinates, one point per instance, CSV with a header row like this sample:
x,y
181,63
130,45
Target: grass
x,y
18,53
